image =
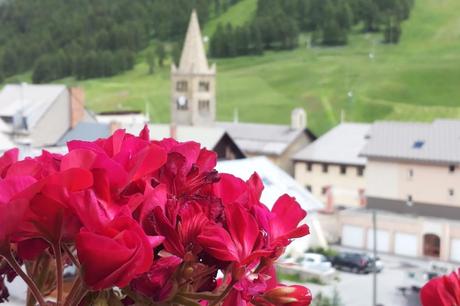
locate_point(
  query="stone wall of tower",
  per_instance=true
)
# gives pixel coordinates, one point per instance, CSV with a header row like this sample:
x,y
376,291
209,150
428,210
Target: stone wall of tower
x,y
180,116
201,99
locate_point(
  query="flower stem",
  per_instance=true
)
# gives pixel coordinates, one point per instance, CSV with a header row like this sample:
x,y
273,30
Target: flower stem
x,y
71,256
59,271
81,293
76,287
17,268
223,295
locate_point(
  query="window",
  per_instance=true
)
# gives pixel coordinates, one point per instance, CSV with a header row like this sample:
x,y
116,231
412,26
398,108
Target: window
x,y
181,86
203,105
418,144
343,170
203,86
182,103
324,168
309,167
410,173
309,188
451,168
410,200
324,190
451,192
360,170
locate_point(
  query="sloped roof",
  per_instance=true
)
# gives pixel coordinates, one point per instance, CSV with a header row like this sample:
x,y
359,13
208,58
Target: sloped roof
x,y
4,127
30,99
437,142
264,139
193,58
87,131
208,137
341,145
124,118
276,181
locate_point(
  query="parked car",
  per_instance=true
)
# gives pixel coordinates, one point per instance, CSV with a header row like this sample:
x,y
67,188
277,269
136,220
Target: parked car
x,y
356,262
310,261
315,261
417,278
378,263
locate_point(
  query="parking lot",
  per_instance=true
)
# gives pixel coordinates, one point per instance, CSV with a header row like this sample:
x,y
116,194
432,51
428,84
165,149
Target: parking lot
x,y
356,289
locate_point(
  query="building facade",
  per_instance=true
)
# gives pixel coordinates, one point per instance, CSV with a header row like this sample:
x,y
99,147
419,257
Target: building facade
x,y
413,183
331,167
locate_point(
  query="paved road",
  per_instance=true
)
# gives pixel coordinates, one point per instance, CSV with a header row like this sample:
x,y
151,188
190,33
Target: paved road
x,y
356,289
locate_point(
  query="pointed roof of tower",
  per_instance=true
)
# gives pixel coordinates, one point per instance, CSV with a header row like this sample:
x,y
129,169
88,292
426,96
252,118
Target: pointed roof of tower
x,y
193,58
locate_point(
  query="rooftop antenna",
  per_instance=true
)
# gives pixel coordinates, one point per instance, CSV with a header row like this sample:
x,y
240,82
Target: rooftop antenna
x,y
235,115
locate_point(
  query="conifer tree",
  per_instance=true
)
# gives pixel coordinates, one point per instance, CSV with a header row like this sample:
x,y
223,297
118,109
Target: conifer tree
x,y
161,54
150,58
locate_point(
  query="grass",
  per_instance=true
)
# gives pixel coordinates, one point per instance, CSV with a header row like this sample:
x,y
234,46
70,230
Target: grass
x,y
419,79
297,279
289,277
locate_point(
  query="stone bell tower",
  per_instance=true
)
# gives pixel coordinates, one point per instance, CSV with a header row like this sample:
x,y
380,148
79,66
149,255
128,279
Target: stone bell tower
x,y
193,82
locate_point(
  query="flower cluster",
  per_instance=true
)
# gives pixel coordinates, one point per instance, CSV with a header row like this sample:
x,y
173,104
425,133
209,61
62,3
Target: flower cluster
x,y
442,291
145,223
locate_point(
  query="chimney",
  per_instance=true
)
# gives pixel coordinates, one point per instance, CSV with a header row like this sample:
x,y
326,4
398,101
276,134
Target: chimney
x,y
77,105
113,126
298,119
173,130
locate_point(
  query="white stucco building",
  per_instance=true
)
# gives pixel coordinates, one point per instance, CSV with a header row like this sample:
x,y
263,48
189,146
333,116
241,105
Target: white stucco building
x,y
413,181
331,167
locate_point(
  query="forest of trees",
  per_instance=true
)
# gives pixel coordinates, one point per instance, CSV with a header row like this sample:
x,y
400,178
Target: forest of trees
x,y
277,23
86,38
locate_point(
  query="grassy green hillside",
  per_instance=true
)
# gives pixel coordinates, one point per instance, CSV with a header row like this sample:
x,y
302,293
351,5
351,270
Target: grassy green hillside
x,y
419,79
237,15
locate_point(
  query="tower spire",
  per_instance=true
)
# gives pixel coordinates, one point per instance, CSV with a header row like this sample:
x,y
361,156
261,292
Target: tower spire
x,y
193,58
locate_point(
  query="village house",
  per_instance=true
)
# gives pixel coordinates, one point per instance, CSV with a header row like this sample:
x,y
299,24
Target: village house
x,y
39,115
275,141
331,167
412,181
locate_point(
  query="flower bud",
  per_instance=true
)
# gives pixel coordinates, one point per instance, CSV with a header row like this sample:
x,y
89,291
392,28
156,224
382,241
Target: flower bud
x,y
289,296
188,272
